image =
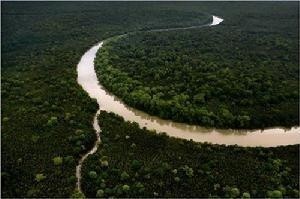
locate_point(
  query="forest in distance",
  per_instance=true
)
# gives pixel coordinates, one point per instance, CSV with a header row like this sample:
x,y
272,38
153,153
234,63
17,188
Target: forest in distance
x,y
241,74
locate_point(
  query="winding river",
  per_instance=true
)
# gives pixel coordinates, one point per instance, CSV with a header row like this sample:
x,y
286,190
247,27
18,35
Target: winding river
x,y
88,80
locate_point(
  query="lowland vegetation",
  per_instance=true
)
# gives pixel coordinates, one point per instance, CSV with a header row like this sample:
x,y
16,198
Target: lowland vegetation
x,y
134,162
46,115
46,122
242,73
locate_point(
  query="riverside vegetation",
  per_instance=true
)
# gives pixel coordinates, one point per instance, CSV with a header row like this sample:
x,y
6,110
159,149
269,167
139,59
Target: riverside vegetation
x,y
135,162
242,73
47,118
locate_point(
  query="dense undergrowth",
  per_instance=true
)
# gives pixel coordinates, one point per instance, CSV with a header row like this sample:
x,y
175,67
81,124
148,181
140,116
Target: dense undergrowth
x,y
134,162
46,116
242,73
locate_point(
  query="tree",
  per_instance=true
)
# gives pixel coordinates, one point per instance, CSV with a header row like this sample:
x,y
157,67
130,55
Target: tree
x,y
39,177
274,194
100,193
104,163
93,174
124,175
246,195
69,159
52,121
234,192
199,98
77,194
136,165
177,179
57,161
126,188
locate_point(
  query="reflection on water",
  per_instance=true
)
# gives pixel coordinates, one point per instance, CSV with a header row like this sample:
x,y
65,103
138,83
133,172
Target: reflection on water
x,y
270,137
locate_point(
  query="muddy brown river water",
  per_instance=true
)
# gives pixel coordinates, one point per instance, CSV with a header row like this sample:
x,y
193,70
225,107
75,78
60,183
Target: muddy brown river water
x,y
88,80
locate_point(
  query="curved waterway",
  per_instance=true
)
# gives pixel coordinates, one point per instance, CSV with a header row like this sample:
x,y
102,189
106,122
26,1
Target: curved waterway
x,y
87,78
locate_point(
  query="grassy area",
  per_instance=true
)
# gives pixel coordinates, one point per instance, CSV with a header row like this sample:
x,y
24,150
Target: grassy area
x,y
243,73
134,162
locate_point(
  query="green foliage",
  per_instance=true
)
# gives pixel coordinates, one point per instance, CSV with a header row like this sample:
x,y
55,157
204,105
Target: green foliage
x,y
246,195
188,171
104,163
57,161
177,179
234,192
39,177
33,193
124,175
93,174
41,45
5,119
198,76
274,194
100,193
77,194
160,166
52,121
125,188
69,160
135,165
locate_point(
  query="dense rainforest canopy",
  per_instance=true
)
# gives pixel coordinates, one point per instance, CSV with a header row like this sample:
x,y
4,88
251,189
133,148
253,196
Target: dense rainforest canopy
x,y
134,162
46,122
242,73
45,113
